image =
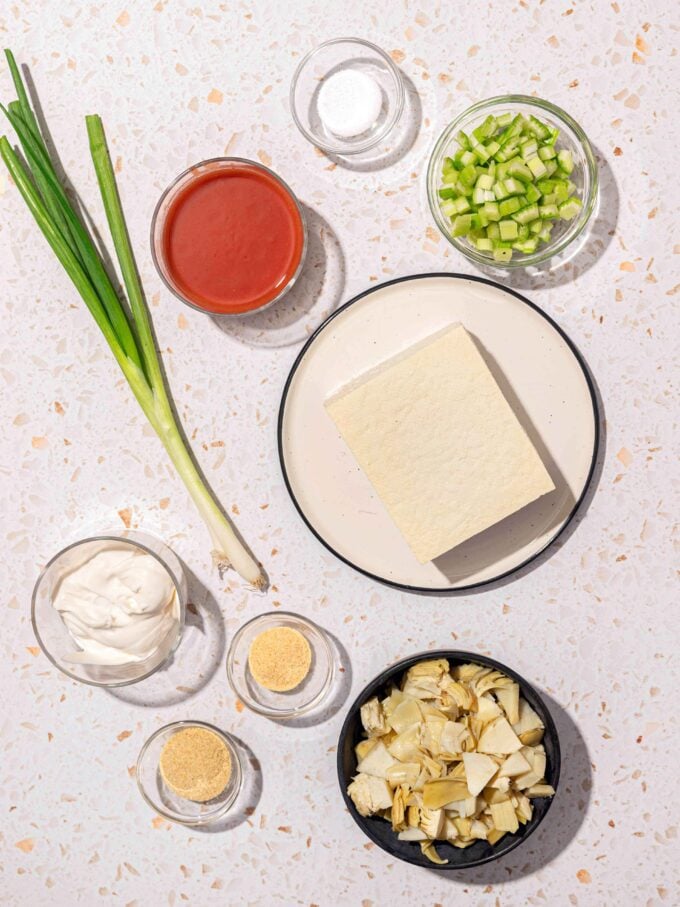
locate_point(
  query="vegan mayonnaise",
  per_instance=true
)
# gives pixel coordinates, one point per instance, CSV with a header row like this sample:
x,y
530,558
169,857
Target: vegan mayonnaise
x,y
119,605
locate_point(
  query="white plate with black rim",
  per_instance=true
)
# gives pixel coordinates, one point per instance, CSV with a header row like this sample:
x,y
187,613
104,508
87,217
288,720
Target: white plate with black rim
x,y
541,374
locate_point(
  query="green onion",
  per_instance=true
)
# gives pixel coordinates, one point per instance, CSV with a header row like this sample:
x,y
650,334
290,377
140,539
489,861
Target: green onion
x,y
507,185
127,331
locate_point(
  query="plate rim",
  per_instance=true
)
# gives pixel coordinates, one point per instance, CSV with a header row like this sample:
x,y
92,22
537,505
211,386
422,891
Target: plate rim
x,y
444,590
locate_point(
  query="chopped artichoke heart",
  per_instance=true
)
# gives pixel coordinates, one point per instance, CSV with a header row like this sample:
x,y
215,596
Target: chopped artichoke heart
x,y
430,852
373,718
499,738
403,773
412,834
370,794
540,790
487,709
377,761
364,747
509,700
528,719
514,765
431,821
406,715
437,794
504,818
406,746
479,769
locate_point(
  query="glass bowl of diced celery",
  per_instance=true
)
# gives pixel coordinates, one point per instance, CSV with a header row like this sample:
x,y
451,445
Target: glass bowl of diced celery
x,y
512,181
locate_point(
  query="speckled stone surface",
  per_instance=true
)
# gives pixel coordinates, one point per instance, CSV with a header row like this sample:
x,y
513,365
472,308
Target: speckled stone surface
x,y
595,625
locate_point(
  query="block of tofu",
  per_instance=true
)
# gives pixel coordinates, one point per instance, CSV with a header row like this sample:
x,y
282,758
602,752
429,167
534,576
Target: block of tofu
x,y
439,442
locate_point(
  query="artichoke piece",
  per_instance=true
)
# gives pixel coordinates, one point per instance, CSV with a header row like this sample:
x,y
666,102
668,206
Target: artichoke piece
x,y
370,794
459,842
509,698
479,769
390,702
535,756
430,852
373,718
431,734
464,827
413,834
403,773
422,680
406,746
377,761
452,736
514,765
364,747
412,816
405,715
487,709
528,719
469,671
533,737
494,835
540,790
504,818
524,809
457,773
442,791
435,667
478,830
398,816
457,692
492,680
498,737
432,821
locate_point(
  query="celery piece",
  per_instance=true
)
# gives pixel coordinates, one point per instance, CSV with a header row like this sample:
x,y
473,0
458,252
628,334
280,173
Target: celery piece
x,y
508,229
493,210
519,169
532,193
493,232
537,128
467,158
447,192
509,206
462,205
536,226
523,230
462,225
565,160
561,192
527,246
570,208
550,167
548,211
503,120
484,245
492,147
484,182
502,170
478,196
468,175
545,152
537,167
513,186
463,140
448,207
544,235
550,198
526,215
528,148
502,254
499,190
481,153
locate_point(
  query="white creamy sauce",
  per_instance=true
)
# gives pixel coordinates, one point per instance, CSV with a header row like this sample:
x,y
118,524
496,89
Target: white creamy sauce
x,y
349,102
118,606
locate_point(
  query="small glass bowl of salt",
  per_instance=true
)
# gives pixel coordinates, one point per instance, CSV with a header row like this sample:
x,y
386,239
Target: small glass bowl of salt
x,y
346,96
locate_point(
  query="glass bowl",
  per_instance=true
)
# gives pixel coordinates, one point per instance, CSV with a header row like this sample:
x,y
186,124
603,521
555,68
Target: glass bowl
x,y
304,697
164,800
160,216
51,631
338,55
571,137
380,831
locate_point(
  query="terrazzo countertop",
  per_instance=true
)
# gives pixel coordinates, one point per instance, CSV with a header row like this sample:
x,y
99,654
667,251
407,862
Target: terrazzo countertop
x,y
594,626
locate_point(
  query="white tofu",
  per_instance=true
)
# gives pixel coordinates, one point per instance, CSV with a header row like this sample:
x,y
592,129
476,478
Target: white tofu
x,y
439,442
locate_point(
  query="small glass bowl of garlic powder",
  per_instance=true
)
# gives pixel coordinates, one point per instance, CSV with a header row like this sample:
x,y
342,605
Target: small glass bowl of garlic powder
x,y
190,772
281,665
109,610
346,96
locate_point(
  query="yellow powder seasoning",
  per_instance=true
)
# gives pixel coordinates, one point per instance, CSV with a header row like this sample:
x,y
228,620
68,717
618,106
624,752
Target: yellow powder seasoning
x,y
279,659
196,764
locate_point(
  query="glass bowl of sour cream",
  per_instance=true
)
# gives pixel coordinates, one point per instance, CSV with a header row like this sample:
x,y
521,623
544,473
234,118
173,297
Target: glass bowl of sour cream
x,y
109,610
346,96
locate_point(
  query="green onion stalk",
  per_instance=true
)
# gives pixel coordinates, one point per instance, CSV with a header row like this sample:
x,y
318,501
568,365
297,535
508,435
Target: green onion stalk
x,y
126,328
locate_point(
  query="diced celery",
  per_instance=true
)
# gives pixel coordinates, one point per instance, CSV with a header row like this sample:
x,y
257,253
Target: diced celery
x,y
467,158
463,140
502,170
536,226
484,245
550,198
462,225
513,186
527,246
523,231
493,232
502,254
492,147
532,193
447,192
561,192
503,120
468,175
537,128
508,229
548,211
462,205
509,206
550,167
448,208
565,160
499,190
528,148
525,215
491,210
478,196
544,235
545,152
537,167
518,168
484,182
570,208
481,153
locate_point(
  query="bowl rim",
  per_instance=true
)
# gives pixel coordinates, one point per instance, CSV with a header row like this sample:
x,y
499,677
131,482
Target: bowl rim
x,y
157,255
110,537
389,124
457,656
257,707
549,250
237,771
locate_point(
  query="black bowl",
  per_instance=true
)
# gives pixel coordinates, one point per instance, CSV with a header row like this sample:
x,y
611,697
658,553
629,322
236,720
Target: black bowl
x,y
380,831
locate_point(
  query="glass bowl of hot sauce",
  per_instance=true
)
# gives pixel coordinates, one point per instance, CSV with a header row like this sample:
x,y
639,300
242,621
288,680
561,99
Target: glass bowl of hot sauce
x,y
228,236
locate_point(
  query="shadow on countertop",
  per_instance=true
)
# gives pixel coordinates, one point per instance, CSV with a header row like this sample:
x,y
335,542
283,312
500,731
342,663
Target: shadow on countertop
x,y
248,797
562,822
